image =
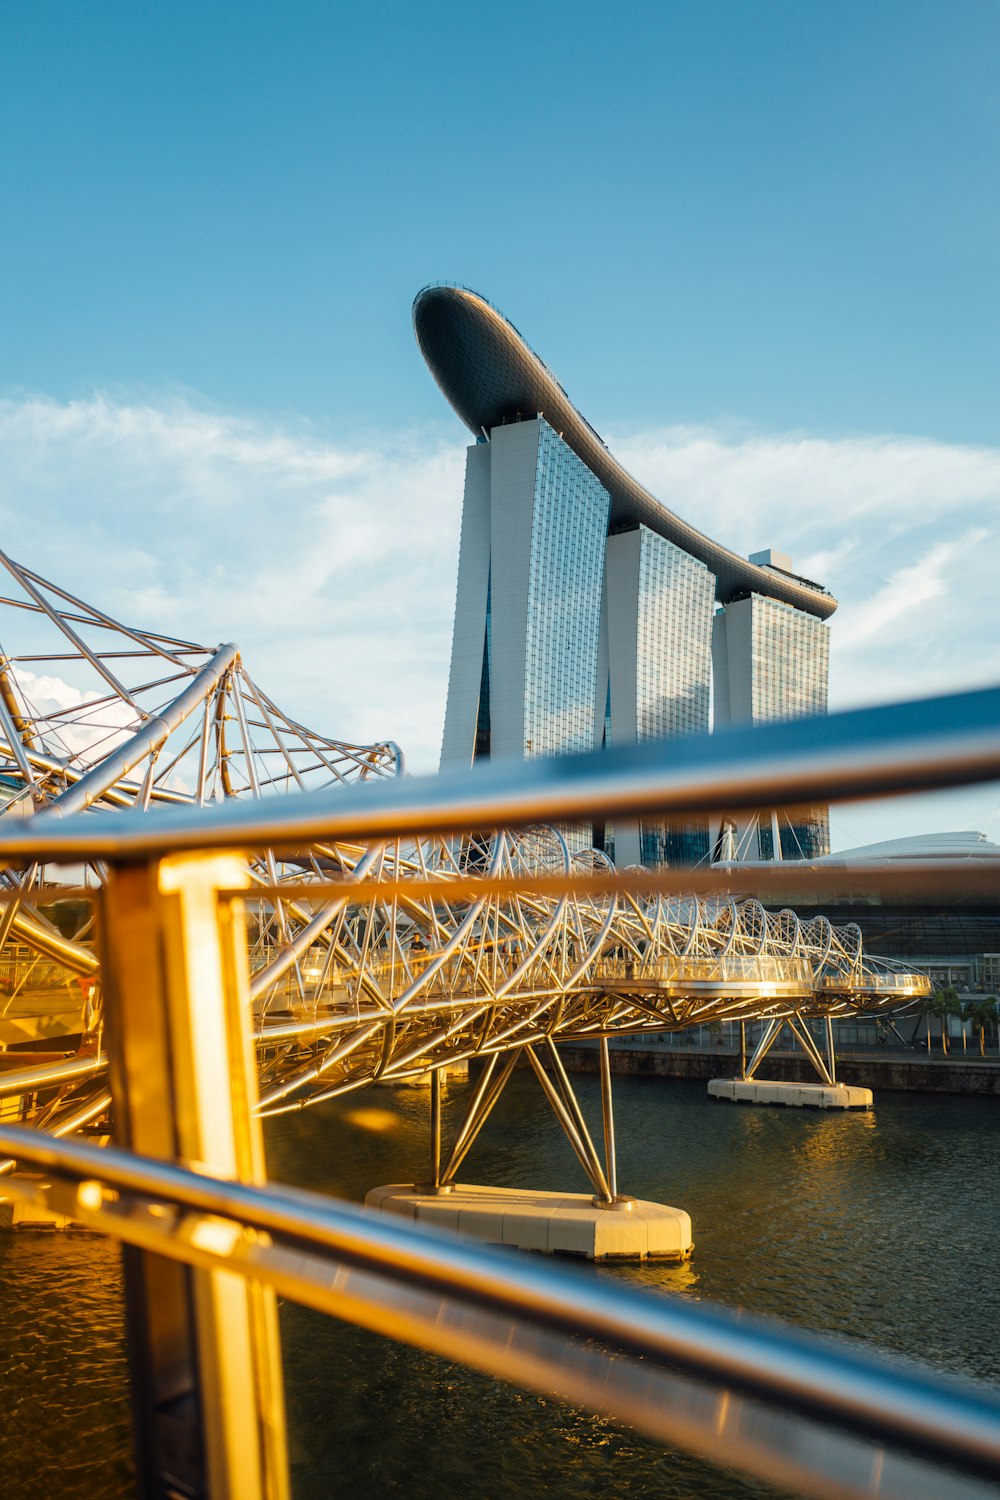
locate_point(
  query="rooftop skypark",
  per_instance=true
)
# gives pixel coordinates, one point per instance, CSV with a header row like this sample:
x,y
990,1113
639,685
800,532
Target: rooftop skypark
x,y
491,376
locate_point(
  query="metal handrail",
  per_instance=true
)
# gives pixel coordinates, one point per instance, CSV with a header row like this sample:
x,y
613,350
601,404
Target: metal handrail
x,y
679,967
789,1407
752,1369
870,752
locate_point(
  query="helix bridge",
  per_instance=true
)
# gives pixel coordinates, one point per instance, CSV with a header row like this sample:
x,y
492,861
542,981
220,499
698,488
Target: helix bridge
x,y
369,962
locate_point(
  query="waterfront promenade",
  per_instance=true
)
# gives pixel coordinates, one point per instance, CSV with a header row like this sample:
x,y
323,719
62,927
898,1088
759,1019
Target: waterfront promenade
x,y
892,1069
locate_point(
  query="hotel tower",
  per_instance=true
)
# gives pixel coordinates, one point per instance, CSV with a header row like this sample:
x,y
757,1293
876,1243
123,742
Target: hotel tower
x,y
587,613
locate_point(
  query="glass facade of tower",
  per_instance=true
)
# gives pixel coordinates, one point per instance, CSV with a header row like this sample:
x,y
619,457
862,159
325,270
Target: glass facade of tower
x,y
676,602
568,528
791,661
673,645
790,673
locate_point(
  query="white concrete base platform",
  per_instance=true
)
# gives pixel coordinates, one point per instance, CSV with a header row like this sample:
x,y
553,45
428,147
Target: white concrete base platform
x,y
16,1213
798,1095
455,1072
554,1223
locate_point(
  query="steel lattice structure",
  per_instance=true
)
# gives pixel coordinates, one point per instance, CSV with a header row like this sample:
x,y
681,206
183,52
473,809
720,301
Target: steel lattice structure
x,y
361,985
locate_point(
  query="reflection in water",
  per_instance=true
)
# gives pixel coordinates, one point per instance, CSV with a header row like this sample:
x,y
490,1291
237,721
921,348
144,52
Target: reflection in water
x,y
64,1428
381,1121
880,1226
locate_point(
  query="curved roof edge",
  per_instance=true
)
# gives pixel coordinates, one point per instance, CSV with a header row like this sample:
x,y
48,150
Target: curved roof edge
x,y
490,375
962,844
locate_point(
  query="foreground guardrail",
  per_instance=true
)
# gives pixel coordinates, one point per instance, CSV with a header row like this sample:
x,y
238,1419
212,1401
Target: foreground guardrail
x,y
792,1408
870,752
208,1250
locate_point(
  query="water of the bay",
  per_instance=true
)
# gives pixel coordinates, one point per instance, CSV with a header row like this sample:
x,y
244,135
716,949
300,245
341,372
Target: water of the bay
x,y
880,1226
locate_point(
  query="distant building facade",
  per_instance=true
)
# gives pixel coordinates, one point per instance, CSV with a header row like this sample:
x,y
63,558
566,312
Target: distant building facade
x,y
528,603
587,613
946,926
771,661
655,669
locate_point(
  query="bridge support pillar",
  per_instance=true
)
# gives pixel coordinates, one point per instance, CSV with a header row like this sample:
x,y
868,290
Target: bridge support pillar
x,y
605,1225
826,1094
203,1345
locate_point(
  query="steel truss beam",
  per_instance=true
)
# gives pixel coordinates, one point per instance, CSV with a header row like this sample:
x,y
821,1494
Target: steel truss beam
x,y
379,956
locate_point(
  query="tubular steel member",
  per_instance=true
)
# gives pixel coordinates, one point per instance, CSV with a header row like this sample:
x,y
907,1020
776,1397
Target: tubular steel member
x,y
435,1182
574,1129
831,1056
825,1067
768,1038
203,1343
607,1115
824,1418
48,1075
147,741
373,953
67,1122
486,1095
49,942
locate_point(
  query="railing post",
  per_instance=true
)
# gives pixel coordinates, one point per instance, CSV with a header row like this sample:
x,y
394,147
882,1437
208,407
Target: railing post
x,y
608,1117
203,1345
435,1128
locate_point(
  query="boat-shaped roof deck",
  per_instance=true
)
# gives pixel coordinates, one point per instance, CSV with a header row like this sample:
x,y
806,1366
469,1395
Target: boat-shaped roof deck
x,y
490,375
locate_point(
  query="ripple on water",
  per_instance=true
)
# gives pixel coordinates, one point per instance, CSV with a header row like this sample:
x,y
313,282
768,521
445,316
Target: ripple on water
x,y
878,1226
65,1427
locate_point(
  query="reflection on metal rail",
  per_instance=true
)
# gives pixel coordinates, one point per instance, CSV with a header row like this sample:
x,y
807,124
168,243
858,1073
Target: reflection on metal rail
x,y
207,1251
738,1389
871,752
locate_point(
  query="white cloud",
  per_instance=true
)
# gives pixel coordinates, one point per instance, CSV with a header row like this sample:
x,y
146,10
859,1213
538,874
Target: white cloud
x,y
906,590
801,493
904,531
333,564
83,728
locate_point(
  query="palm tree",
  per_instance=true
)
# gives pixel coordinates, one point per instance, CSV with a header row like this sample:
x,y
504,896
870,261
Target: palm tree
x,y
981,1013
944,1003
923,1010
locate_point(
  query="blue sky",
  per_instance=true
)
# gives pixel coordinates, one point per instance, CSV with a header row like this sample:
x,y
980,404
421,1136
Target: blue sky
x,y
757,241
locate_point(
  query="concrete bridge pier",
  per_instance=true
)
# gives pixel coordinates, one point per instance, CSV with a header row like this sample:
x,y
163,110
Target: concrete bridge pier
x,y
602,1225
826,1094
